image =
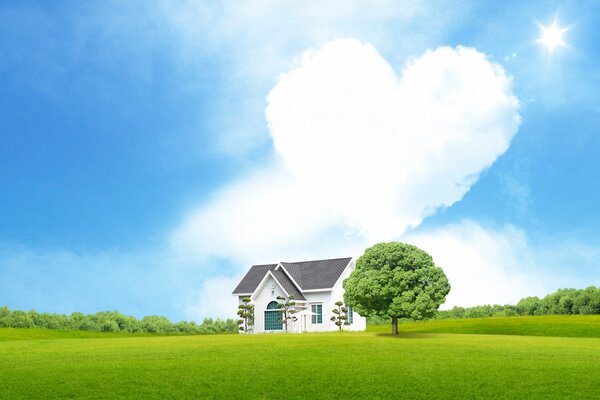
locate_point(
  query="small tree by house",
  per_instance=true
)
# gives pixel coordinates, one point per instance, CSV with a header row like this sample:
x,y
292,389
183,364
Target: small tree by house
x,y
341,314
286,308
246,314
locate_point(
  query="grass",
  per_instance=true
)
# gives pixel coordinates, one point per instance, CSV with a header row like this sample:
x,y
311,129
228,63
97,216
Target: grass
x,y
413,365
29,334
546,325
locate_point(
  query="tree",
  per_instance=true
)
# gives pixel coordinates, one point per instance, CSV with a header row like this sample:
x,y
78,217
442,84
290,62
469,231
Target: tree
x,y
396,280
20,319
286,308
246,314
156,324
5,317
341,314
528,305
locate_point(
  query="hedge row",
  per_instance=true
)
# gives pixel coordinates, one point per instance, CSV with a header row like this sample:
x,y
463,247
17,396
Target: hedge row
x,y
111,321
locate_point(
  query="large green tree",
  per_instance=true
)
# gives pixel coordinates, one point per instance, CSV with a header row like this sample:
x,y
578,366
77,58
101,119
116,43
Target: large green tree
x,y
396,280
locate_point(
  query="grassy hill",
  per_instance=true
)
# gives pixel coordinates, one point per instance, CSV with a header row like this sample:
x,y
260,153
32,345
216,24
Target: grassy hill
x,y
545,325
414,365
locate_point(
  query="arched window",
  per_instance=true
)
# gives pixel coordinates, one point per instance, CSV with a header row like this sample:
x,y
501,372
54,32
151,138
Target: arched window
x,y
273,317
273,306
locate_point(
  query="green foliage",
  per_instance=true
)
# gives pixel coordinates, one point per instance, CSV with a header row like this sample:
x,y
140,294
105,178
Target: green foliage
x,y
561,302
246,314
376,320
340,315
5,317
286,308
111,321
396,280
20,319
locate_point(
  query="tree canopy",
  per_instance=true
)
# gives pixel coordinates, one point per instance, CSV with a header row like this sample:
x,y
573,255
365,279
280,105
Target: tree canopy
x,y
396,280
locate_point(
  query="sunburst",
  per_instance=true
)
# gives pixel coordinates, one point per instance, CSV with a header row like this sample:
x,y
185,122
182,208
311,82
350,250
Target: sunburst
x,y
552,36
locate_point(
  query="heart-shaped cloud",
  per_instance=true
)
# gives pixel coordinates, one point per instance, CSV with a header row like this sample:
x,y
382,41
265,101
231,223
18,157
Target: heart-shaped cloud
x,y
366,154
386,150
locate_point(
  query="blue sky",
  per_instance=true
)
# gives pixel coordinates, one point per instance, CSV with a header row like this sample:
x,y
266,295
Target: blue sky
x,y
150,151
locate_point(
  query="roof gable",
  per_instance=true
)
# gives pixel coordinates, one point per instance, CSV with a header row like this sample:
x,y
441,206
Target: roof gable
x,y
318,274
287,284
253,277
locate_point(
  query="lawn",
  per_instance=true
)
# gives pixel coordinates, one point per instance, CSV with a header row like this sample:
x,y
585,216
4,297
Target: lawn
x,y
546,325
413,365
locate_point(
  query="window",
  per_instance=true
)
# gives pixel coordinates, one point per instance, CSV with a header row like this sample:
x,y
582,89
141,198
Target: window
x,y
273,317
318,310
350,315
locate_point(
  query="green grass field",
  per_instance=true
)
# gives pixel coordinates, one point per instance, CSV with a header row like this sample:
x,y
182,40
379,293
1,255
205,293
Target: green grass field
x,y
414,365
546,325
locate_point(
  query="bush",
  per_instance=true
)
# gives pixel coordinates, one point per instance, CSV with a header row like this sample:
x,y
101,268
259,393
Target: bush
x,y
111,321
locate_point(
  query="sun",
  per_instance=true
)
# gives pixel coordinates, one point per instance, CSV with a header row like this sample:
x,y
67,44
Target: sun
x,y
552,36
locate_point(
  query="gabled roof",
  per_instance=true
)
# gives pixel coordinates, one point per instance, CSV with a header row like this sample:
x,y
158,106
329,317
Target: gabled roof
x,y
288,286
252,278
319,274
255,276
306,275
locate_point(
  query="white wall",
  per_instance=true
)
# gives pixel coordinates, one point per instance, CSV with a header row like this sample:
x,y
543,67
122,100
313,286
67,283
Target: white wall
x,y
262,299
323,298
359,322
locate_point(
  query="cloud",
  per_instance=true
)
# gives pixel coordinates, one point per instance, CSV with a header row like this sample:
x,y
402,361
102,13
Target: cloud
x,y
343,121
500,265
265,216
213,299
257,40
362,153
485,265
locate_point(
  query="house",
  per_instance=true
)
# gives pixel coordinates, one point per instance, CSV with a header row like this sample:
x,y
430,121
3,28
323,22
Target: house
x,y
315,285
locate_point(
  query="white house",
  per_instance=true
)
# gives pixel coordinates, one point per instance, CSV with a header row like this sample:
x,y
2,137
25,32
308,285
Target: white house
x,y
315,285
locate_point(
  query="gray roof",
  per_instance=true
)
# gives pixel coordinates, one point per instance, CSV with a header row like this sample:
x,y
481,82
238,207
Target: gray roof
x,y
309,275
251,280
287,284
319,274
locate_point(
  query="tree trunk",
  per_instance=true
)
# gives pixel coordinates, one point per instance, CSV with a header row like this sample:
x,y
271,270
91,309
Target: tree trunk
x,y
394,325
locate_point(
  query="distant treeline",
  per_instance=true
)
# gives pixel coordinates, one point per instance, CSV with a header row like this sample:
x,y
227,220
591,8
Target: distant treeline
x,y
563,301
112,321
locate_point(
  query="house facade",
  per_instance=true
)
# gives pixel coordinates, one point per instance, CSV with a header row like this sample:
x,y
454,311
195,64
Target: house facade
x,y
315,285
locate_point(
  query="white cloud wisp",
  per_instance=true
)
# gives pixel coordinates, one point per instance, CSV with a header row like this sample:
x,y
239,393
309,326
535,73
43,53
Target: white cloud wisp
x,y
485,265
